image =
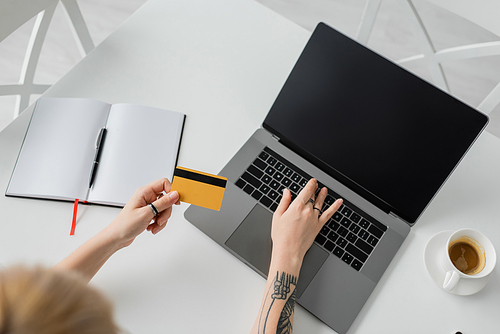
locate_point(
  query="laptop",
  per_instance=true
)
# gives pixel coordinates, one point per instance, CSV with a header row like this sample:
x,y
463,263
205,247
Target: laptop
x,y
375,135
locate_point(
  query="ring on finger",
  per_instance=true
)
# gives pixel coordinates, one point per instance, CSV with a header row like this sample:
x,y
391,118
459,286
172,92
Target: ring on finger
x,y
153,209
311,201
319,211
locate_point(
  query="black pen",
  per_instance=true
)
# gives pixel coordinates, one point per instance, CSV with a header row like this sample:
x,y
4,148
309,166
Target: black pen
x,y
97,156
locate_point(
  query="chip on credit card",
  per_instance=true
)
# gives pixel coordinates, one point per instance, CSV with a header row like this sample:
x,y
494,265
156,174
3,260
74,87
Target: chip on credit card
x,y
199,188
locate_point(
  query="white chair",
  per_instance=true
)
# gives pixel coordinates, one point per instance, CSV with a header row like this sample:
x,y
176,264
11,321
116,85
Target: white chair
x,y
482,12
13,14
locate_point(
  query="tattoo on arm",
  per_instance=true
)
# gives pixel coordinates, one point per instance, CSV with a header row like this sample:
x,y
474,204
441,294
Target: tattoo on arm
x,y
281,291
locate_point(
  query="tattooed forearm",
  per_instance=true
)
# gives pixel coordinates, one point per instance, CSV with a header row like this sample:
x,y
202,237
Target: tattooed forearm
x,y
284,289
286,317
282,285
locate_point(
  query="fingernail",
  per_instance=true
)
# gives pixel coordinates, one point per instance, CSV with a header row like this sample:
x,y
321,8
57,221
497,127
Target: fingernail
x,y
174,194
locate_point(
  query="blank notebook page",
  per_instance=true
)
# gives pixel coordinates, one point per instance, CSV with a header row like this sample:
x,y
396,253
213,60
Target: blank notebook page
x,y
141,146
61,139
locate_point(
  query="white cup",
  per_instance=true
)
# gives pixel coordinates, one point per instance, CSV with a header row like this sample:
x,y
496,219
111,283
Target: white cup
x,y
482,245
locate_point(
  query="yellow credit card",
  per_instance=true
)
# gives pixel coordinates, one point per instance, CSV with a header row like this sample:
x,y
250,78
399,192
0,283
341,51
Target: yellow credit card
x,y
199,188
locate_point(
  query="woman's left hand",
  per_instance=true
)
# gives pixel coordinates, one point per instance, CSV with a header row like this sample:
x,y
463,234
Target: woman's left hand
x,y
136,216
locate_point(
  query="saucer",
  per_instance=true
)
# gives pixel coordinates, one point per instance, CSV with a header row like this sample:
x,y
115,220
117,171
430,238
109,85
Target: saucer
x,y
464,287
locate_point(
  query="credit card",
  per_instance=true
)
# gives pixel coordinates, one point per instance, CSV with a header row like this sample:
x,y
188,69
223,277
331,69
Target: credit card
x,y
199,188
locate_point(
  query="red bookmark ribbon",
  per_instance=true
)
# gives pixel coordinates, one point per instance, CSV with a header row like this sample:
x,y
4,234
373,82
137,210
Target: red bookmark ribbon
x,y
73,224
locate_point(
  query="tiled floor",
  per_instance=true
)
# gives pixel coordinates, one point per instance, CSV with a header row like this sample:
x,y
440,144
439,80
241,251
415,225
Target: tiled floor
x,y
470,80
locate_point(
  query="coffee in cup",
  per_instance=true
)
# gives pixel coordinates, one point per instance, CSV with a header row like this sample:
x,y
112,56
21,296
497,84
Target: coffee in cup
x,y
468,255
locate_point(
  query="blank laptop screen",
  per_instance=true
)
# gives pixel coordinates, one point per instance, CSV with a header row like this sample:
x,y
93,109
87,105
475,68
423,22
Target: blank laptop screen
x,y
385,133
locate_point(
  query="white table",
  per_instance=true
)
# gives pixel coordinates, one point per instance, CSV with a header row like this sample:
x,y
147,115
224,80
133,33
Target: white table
x,y
222,63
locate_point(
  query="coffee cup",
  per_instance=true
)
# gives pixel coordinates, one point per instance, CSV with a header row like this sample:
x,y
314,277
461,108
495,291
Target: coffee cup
x,y
467,255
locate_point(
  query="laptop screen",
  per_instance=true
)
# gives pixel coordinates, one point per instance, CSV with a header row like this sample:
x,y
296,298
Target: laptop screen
x,y
380,130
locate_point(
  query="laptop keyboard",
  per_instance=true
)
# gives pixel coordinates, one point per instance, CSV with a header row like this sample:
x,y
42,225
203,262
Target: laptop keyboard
x,y
350,234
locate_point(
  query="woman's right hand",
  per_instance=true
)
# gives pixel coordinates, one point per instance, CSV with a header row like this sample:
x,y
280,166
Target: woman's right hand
x,y
296,224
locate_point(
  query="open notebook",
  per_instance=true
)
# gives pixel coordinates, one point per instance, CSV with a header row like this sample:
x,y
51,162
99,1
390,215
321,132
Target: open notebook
x,y
56,158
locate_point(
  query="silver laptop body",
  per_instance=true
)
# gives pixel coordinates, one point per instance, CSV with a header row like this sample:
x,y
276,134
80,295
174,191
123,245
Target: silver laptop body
x,y
336,82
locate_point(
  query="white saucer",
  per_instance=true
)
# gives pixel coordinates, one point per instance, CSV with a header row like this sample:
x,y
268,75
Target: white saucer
x,y
464,287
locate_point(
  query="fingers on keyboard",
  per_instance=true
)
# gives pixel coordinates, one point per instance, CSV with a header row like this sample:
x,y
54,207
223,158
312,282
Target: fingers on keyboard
x,y
346,233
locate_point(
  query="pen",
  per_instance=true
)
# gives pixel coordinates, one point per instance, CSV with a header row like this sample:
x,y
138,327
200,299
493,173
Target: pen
x,y
97,156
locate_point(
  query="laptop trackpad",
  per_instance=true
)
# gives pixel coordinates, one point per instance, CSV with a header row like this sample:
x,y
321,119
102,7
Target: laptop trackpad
x,y
252,241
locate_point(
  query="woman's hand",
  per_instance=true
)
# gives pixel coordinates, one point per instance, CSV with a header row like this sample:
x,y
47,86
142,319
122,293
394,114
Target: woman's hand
x,y
136,216
294,228
296,225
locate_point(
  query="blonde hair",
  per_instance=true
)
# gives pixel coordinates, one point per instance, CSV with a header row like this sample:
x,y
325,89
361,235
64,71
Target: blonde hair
x,y
51,301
